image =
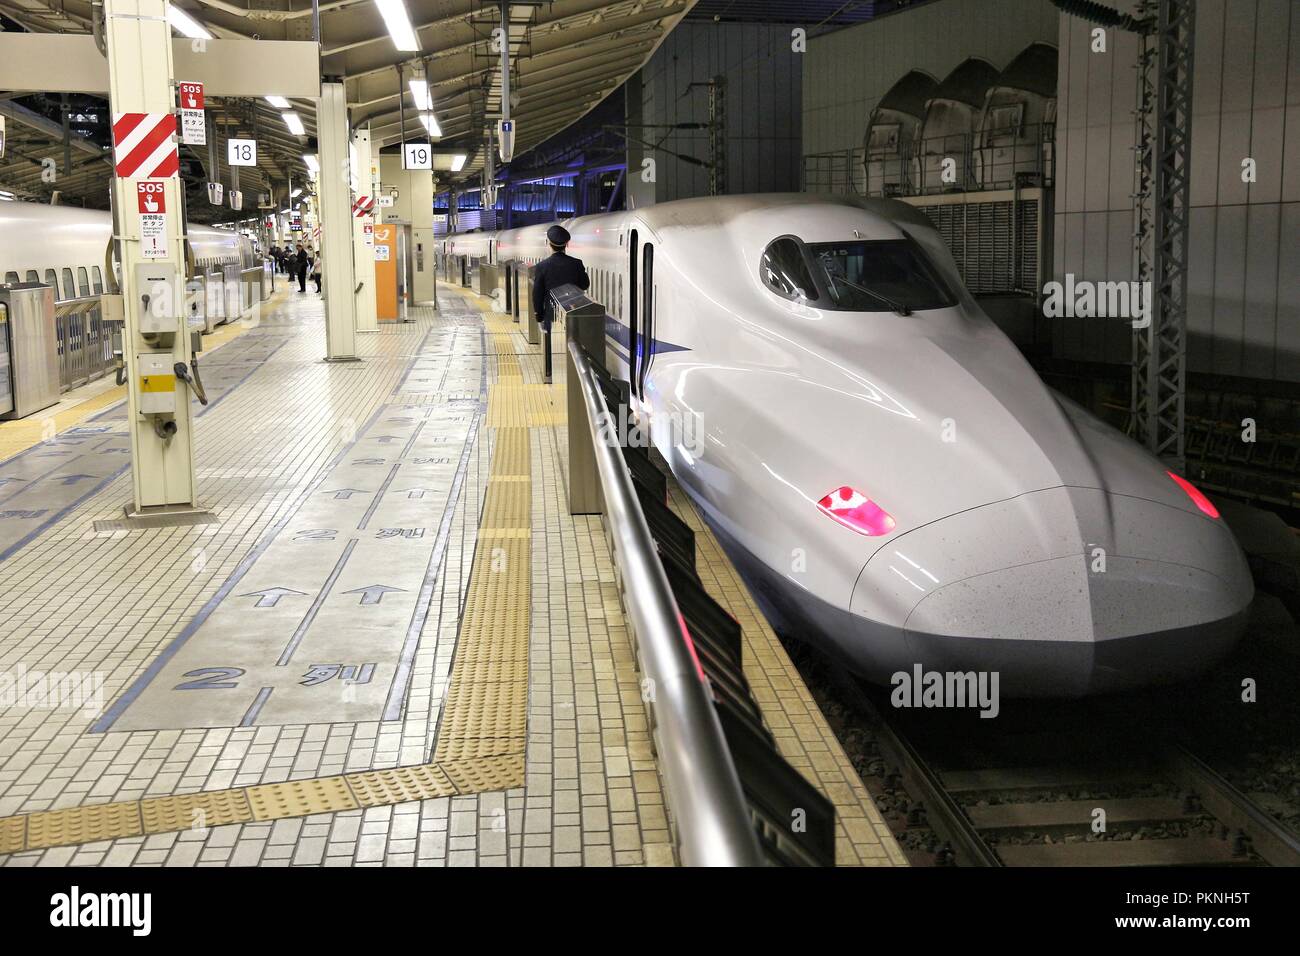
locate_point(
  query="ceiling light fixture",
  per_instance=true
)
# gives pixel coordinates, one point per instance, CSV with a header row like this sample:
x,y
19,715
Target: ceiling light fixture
x,y
294,122
399,26
185,24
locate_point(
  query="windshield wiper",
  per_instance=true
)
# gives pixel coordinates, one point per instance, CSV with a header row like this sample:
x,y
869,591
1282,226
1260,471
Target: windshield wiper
x,y
896,307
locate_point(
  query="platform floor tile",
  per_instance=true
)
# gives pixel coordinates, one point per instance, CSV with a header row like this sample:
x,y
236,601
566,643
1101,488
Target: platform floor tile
x,y
156,777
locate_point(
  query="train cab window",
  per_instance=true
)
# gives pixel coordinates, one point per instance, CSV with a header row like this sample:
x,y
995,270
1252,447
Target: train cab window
x,y
99,280
83,281
891,275
32,276
785,271
11,277
69,289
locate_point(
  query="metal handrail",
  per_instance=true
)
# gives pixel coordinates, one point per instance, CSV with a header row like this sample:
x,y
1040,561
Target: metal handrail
x,y
703,787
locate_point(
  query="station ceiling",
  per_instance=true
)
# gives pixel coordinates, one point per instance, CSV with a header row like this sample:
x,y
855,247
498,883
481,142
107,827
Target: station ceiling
x,y
566,56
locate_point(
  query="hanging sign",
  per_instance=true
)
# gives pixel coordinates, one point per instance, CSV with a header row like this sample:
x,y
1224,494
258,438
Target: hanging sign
x,y
417,156
241,152
194,128
151,198
368,231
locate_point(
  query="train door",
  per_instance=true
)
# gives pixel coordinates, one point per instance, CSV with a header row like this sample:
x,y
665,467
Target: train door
x,y
647,315
632,252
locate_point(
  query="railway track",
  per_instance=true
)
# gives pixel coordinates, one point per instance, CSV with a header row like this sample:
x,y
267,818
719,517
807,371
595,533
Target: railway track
x,y
1049,784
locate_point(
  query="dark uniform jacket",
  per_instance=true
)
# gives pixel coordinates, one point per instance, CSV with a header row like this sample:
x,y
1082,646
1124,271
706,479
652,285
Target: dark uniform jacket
x,y
551,273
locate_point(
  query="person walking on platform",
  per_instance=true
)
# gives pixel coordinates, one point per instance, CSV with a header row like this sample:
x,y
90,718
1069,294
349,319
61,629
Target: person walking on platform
x,y
300,268
317,270
556,270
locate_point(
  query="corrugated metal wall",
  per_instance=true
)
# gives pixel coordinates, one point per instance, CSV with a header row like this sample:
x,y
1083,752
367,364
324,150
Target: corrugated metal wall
x,y
847,72
1244,290
762,107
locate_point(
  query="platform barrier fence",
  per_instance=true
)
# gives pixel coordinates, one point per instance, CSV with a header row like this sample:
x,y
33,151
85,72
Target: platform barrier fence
x,y
734,799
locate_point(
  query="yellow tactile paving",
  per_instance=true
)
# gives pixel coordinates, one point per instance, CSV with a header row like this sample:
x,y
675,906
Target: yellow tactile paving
x,y
498,323
300,798
166,814
485,712
83,824
383,787
13,834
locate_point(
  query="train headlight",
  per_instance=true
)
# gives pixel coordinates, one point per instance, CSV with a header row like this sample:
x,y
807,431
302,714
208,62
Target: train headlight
x,y
855,510
1194,493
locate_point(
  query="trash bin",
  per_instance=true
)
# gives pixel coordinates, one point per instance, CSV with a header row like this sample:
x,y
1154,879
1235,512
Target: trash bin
x,y
29,357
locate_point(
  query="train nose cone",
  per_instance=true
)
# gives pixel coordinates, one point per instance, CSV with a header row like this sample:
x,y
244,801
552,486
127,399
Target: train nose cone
x,y
1062,592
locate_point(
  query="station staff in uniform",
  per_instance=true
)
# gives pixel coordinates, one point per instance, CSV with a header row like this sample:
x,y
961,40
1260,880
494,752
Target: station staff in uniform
x,y
556,270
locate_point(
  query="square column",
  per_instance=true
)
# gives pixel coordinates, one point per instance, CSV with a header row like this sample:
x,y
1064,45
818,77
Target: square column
x,y
148,216
334,196
365,173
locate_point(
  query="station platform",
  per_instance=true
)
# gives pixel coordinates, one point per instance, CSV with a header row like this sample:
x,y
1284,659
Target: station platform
x,y
390,645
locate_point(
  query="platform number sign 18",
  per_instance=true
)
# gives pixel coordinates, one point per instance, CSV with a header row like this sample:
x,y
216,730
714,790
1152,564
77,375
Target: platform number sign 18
x,y
241,152
417,156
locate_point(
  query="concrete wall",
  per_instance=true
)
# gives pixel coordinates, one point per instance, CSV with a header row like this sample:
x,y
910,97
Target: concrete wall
x,y
762,109
845,73
1244,290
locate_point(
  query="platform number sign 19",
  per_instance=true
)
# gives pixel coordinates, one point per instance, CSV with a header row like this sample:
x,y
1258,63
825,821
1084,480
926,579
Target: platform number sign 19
x,y
417,156
241,152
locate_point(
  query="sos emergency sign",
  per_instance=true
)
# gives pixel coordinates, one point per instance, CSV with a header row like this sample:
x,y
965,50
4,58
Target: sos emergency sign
x,y
194,128
151,197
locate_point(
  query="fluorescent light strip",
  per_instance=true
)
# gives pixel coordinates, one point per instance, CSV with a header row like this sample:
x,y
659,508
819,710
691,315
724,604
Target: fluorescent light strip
x,y
294,122
420,93
458,162
279,102
185,24
399,26
312,162
431,125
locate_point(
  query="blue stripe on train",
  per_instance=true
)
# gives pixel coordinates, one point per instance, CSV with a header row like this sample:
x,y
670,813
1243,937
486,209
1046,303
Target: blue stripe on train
x,y
621,334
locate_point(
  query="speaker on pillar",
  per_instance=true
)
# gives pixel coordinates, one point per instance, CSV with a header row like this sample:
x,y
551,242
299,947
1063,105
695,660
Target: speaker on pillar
x,y
215,191
236,199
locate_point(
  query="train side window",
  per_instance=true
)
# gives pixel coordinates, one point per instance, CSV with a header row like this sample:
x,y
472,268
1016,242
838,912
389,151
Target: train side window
x,y
52,281
785,272
11,277
99,280
83,281
69,289
33,276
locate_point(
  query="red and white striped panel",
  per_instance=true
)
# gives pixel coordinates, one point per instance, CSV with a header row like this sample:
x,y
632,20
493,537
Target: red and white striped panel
x,y
144,145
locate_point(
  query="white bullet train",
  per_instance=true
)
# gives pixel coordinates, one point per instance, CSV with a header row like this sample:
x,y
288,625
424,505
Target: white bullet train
x,y
64,247
884,466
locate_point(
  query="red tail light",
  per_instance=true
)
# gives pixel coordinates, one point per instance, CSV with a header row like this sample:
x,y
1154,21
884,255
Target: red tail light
x,y
1194,493
855,510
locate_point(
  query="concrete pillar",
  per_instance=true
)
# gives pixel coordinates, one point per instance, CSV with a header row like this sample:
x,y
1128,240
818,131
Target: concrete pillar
x,y
155,338
363,242
335,210
414,205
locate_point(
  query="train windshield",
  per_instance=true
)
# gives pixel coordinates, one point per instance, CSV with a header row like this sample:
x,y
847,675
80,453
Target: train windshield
x,y
890,275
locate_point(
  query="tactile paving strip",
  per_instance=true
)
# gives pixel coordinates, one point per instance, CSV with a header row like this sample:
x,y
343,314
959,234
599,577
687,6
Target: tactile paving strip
x,y
13,834
105,821
485,712
379,788
300,798
211,809
487,774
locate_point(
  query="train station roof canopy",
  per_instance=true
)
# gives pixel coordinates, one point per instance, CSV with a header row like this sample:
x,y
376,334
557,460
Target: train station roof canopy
x,y
565,56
